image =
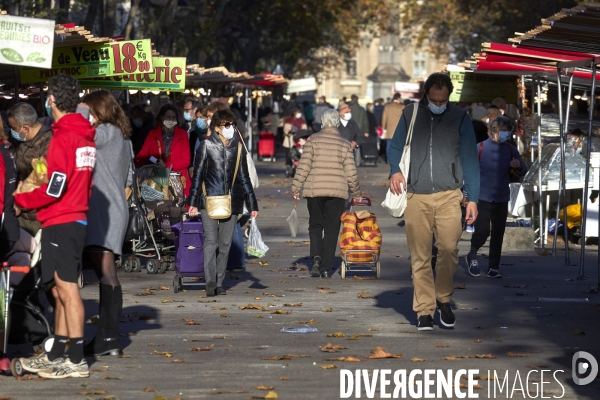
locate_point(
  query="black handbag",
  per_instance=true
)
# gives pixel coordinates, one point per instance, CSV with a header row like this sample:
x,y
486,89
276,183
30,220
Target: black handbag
x,y
137,219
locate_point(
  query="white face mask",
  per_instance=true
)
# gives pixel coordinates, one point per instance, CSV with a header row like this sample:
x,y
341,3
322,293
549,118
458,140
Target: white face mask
x,y
169,124
208,123
298,115
228,132
91,119
348,116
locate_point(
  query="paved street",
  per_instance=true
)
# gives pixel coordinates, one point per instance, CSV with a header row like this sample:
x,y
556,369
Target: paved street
x,y
533,319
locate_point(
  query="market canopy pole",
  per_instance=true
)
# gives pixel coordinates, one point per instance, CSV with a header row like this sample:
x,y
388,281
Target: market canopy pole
x,y
561,179
564,188
539,145
587,176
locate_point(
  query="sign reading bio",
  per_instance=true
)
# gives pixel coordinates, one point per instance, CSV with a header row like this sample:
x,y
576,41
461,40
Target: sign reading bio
x,y
26,41
470,87
93,60
169,74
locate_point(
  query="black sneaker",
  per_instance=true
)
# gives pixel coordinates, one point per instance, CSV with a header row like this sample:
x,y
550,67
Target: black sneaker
x,y
447,317
472,266
493,273
425,323
315,271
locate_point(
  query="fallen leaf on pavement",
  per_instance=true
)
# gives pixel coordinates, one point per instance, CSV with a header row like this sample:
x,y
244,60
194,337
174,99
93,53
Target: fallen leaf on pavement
x,y
417,359
117,378
293,305
283,378
443,345
271,395
463,286
525,260
207,348
190,321
373,330
344,359
364,278
511,354
178,361
263,387
215,391
311,321
326,291
332,348
218,308
284,357
328,366
336,334
163,353
145,317
381,353
327,309
365,295
478,341
281,312
224,314
163,288
398,255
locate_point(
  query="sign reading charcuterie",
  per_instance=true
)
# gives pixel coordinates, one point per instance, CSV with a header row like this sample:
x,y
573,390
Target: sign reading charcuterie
x,y
26,41
169,74
96,60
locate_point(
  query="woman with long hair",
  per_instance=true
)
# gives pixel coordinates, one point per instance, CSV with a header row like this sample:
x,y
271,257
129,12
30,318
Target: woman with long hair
x,y
108,213
168,144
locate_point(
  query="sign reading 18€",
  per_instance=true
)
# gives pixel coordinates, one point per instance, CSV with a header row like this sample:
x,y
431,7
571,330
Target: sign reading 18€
x,y
96,60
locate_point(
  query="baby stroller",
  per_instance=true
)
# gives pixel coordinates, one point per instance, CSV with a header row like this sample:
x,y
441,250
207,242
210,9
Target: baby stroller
x,y
19,291
295,152
161,199
360,241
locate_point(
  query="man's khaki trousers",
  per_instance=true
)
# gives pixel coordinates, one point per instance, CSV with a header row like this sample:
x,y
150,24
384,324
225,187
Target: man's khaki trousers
x,y
429,215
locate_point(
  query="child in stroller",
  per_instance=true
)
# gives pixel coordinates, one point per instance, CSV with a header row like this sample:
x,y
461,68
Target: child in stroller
x,y
295,152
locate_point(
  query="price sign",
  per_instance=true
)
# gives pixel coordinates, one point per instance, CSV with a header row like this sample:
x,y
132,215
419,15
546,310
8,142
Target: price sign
x,y
96,60
169,74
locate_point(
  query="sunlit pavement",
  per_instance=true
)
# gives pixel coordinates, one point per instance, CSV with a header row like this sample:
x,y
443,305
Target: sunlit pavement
x,y
188,346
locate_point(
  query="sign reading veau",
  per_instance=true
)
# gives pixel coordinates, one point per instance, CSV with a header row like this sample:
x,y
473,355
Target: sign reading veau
x,y
26,41
483,88
94,60
169,74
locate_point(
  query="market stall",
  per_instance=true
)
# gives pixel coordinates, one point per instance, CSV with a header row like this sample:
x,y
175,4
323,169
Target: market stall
x,y
564,49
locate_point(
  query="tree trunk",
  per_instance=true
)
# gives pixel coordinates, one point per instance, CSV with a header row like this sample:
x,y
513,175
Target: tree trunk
x,y
135,5
110,17
90,17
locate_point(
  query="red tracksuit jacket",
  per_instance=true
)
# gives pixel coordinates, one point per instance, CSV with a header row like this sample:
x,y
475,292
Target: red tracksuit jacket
x,y
72,151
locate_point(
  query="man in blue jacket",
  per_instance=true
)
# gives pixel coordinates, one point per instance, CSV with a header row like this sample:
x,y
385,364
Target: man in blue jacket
x,y
497,159
443,159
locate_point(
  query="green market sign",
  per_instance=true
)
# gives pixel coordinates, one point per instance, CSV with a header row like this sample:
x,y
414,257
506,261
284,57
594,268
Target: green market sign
x,y
94,60
169,74
26,41
470,87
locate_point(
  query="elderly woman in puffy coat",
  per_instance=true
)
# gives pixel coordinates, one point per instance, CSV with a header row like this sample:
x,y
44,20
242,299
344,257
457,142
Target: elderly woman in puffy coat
x,y
325,174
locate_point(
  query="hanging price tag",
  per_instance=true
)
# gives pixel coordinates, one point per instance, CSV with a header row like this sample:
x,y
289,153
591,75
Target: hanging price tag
x,y
96,60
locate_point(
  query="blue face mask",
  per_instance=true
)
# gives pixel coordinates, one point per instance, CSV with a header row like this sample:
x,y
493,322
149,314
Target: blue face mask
x,y
503,136
437,110
48,109
137,123
187,116
17,136
201,123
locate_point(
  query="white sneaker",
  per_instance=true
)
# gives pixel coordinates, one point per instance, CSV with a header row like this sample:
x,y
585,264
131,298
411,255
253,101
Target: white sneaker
x,y
66,369
38,363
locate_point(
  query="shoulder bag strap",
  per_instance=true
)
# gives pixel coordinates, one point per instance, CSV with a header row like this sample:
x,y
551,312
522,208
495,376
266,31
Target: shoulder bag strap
x,y
412,125
480,149
159,148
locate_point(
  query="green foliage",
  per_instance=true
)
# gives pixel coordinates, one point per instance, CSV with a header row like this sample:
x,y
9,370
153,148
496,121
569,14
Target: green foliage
x,y
456,28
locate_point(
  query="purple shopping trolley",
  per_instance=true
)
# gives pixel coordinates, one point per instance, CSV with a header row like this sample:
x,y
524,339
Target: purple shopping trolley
x,y
189,253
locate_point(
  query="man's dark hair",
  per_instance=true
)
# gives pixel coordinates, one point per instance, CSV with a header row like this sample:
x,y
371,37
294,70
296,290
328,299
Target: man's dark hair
x,y
23,114
195,103
65,90
438,80
396,96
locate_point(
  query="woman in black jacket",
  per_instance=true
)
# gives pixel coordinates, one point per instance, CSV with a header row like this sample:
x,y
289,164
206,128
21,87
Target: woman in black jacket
x,y
214,166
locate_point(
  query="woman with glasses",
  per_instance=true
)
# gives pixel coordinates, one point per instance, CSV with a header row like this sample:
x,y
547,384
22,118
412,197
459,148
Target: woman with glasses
x,y
214,167
167,145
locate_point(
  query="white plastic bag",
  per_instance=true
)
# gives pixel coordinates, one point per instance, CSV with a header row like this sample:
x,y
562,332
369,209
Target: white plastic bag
x,y
256,247
292,221
396,204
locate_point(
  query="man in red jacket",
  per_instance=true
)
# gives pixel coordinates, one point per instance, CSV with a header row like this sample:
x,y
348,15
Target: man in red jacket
x,y
61,207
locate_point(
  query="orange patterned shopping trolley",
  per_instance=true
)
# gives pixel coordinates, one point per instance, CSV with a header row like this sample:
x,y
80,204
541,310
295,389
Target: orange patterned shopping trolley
x,y
360,241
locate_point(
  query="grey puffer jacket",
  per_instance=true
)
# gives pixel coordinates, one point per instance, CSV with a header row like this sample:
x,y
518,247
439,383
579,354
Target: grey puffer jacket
x,y
327,167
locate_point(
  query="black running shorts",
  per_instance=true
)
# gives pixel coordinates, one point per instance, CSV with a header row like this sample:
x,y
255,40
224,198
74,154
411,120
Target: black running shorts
x,y
62,246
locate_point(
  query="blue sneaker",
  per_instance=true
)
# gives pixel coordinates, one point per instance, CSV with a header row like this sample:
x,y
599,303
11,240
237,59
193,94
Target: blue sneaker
x,y
472,266
493,273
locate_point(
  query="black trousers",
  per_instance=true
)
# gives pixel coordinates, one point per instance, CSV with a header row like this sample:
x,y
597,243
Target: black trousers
x,y
324,227
494,213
